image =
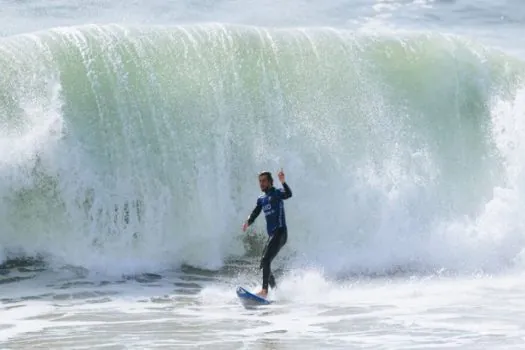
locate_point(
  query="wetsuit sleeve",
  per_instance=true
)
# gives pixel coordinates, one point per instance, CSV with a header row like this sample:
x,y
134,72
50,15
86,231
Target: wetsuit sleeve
x,y
285,192
255,213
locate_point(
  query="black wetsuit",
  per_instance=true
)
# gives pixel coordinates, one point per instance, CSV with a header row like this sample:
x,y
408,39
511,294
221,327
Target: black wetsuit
x,y
271,202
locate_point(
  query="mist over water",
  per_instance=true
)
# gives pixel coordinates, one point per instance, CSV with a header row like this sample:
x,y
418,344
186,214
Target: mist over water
x,y
128,149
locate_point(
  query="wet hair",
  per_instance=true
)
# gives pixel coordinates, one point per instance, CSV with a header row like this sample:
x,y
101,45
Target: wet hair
x,y
268,176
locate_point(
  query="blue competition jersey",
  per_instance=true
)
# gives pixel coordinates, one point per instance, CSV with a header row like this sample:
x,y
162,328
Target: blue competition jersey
x,y
271,203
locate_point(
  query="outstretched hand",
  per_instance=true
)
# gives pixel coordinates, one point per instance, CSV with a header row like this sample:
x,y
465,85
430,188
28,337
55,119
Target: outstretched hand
x,y
280,174
244,226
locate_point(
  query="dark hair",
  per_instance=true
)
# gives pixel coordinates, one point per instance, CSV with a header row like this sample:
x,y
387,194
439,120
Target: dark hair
x,y
268,175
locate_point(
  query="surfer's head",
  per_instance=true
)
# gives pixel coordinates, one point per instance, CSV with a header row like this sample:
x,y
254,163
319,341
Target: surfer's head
x,y
265,180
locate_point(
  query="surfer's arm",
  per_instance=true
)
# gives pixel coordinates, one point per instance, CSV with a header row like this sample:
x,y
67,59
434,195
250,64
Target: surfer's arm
x,y
285,192
255,213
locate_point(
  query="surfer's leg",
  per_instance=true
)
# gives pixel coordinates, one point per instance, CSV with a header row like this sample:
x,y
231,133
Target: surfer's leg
x,y
276,242
271,281
269,254
282,241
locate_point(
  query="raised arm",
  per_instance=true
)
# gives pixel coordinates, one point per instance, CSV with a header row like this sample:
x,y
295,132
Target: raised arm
x,y
286,192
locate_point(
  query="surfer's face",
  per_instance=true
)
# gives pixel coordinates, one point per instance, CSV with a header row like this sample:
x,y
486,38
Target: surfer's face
x,y
264,182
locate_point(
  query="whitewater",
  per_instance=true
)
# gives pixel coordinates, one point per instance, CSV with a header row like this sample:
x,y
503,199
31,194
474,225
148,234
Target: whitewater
x,y
129,154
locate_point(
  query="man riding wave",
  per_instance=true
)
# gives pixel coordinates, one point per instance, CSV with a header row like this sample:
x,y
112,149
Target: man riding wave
x,y
271,202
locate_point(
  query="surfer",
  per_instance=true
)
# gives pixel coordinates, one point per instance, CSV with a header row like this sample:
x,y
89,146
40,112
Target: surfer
x,y
271,202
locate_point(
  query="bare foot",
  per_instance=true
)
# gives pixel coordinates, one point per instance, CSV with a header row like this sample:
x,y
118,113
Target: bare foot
x,y
263,293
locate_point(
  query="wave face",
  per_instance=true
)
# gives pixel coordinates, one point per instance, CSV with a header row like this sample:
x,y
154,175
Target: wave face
x,y
127,148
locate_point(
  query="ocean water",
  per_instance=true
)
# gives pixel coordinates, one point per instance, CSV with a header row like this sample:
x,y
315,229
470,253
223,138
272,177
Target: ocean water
x,y
131,135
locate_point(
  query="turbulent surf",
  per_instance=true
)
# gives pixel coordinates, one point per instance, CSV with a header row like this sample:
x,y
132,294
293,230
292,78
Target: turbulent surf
x,y
137,148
